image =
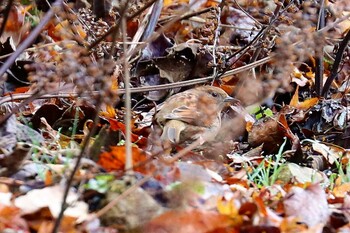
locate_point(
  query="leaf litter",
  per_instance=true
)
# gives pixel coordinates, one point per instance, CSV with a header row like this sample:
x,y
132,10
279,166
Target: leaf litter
x,y
71,162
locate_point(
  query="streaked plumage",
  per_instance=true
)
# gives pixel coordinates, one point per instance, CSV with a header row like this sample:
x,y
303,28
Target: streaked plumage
x,y
192,114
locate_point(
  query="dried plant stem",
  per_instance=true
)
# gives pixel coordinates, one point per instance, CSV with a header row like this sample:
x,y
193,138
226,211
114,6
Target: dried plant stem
x,y
146,88
335,23
319,53
336,64
216,38
275,16
116,26
127,119
114,33
29,99
178,17
186,16
241,53
76,167
176,157
186,150
33,49
239,28
32,36
11,181
247,14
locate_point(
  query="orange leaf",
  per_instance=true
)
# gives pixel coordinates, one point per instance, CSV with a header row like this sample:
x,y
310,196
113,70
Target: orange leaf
x,y
17,91
114,160
283,125
116,125
11,218
211,3
109,112
193,221
48,178
249,126
174,3
305,105
64,30
15,19
341,190
261,206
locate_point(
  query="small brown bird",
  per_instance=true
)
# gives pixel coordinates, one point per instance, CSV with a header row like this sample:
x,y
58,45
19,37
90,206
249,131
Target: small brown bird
x,y
192,114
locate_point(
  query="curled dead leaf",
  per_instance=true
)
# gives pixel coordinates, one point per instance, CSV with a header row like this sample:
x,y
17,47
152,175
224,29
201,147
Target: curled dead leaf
x,y
305,105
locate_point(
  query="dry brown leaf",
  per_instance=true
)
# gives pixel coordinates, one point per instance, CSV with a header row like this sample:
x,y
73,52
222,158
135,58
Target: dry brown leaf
x,y
191,221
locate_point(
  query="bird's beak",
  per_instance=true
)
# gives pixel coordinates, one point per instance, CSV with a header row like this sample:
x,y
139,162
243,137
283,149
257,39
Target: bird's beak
x,y
229,99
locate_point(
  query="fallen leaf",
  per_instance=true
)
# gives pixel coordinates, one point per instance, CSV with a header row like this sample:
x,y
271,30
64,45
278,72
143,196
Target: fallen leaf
x,y
305,105
190,221
116,125
114,160
342,190
51,197
292,171
10,218
308,205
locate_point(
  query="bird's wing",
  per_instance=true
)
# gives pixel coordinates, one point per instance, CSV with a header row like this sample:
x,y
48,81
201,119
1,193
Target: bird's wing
x,y
188,114
183,108
172,131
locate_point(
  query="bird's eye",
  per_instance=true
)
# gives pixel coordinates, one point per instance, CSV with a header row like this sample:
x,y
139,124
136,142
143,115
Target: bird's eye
x,y
214,94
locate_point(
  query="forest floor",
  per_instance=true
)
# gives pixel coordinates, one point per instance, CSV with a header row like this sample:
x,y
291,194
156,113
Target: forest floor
x,y
107,122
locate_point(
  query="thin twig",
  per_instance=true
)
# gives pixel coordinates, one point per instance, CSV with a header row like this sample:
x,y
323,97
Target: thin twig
x,y
335,23
116,26
37,93
215,43
127,192
186,16
241,51
27,100
145,88
34,49
155,34
247,14
186,150
76,167
267,29
336,64
122,13
239,28
127,119
319,53
30,39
